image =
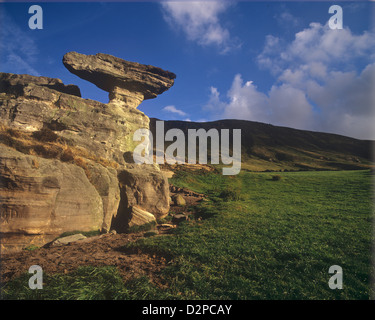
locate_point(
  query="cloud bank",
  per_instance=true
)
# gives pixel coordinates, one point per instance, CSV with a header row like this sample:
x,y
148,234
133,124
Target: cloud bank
x,y
324,81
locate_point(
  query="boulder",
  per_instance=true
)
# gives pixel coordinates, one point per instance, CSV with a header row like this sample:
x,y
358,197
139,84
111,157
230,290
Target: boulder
x,y
66,240
127,82
140,217
42,198
179,200
143,186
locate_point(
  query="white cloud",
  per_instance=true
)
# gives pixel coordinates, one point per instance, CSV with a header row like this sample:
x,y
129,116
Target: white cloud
x,y
320,43
245,101
286,19
346,91
317,43
282,105
200,22
173,109
215,106
324,81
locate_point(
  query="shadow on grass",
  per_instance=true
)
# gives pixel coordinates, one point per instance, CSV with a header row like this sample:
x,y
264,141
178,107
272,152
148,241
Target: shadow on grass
x,y
204,213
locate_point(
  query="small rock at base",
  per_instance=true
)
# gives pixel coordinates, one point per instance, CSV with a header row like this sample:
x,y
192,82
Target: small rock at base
x,y
67,240
177,218
179,200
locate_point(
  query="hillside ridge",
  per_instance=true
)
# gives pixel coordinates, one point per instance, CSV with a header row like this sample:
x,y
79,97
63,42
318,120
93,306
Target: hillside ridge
x,y
270,147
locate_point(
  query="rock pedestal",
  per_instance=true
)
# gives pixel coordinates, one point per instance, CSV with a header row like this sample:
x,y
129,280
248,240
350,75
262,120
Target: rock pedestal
x,y
63,159
128,82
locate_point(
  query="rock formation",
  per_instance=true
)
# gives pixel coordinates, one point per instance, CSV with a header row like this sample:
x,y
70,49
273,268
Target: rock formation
x,y
139,217
127,82
106,131
33,86
65,161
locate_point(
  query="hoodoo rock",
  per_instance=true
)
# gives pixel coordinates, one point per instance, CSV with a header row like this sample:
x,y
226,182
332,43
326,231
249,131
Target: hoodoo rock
x,y
65,161
30,103
126,82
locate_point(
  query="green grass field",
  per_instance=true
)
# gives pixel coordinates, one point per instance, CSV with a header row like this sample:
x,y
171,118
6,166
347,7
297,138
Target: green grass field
x,y
256,238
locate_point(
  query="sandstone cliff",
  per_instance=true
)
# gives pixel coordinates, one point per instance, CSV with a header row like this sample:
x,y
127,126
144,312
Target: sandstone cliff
x,y
65,161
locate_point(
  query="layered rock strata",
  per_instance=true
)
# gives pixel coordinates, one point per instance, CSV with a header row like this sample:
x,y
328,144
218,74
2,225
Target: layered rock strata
x,y
65,161
127,82
42,198
104,130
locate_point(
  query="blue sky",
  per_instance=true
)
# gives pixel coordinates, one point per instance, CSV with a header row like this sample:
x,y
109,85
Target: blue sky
x,y
273,62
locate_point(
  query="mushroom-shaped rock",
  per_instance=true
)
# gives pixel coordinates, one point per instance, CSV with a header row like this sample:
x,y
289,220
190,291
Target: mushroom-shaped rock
x,y
128,83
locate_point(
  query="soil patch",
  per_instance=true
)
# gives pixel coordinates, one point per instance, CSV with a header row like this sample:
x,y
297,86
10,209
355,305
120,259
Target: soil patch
x,y
104,250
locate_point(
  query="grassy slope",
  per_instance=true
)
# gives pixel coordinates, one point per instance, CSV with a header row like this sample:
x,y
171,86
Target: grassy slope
x,y
268,147
277,242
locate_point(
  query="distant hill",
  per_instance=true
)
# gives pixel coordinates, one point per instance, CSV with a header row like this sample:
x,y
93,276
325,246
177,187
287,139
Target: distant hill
x,y
268,147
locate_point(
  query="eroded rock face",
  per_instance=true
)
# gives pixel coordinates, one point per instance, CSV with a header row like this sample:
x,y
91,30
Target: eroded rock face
x,y
104,130
42,198
106,184
146,188
24,84
95,186
126,82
